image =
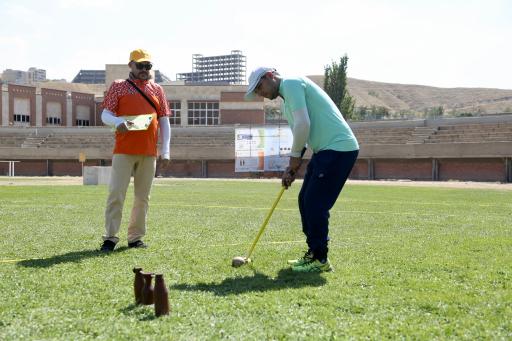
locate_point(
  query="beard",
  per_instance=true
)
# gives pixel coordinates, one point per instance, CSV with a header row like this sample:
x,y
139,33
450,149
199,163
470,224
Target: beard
x,y
142,75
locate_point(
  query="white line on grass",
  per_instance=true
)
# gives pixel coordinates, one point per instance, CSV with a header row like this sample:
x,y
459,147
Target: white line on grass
x,y
295,209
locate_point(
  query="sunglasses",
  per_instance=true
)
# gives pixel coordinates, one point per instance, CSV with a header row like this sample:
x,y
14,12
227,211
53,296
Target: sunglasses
x,y
141,66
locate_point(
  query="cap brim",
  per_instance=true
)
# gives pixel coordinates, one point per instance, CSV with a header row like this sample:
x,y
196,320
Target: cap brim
x,y
256,77
142,60
249,94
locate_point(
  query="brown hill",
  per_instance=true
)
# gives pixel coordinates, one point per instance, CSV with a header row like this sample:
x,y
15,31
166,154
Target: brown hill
x,y
405,98
418,98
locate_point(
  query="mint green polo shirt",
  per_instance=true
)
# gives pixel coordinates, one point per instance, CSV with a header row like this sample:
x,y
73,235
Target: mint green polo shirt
x,y
328,129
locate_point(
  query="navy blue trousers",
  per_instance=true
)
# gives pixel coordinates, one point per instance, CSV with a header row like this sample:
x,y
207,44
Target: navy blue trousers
x,y
325,177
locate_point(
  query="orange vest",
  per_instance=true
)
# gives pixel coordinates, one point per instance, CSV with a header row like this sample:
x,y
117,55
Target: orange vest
x,y
123,100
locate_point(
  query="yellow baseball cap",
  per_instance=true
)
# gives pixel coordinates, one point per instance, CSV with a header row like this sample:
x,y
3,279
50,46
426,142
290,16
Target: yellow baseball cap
x,y
140,55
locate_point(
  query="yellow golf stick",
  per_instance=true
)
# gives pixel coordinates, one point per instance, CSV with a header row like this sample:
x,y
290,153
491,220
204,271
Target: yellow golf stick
x,y
239,261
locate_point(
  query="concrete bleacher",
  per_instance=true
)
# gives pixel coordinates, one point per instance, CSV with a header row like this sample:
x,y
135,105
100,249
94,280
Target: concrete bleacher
x,y
438,149
224,136
219,141
79,140
10,139
472,133
187,136
105,139
383,135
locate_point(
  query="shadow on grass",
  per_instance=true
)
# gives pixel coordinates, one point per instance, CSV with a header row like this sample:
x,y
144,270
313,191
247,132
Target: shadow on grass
x,y
70,257
286,279
144,313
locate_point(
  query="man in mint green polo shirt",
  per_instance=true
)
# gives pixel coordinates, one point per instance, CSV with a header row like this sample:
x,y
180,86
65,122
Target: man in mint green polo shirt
x,y
317,123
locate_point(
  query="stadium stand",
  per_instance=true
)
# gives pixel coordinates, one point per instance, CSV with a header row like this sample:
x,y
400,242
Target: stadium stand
x,y
9,139
477,149
472,133
383,135
81,140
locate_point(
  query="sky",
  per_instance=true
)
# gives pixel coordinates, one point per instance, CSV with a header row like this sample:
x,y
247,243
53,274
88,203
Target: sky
x,y
443,43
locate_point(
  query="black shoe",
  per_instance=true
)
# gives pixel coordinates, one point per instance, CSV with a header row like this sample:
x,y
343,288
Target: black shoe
x,y
137,244
108,246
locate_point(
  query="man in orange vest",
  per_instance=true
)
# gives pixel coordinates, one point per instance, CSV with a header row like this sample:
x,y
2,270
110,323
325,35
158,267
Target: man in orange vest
x,y
135,150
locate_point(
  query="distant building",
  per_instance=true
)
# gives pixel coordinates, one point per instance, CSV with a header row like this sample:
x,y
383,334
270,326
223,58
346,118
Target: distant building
x,y
38,75
24,77
74,105
15,76
221,70
161,78
90,77
99,76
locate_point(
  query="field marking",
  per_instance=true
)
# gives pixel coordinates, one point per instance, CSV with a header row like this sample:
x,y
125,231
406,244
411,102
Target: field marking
x,y
357,201
422,203
15,260
296,209
506,207
262,243
502,206
77,181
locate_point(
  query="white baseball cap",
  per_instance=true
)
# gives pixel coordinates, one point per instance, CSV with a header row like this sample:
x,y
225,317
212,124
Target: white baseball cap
x,y
254,79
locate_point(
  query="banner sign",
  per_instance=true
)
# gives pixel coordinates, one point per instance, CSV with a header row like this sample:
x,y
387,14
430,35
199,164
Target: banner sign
x,y
260,149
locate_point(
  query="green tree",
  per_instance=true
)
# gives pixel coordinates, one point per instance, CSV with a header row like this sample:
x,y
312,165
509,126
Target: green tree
x,y
433,112
360,113
335,84
380,112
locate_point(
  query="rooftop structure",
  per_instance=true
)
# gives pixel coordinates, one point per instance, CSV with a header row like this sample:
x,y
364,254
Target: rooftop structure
x,y
38,75
225,69
90,77
99,77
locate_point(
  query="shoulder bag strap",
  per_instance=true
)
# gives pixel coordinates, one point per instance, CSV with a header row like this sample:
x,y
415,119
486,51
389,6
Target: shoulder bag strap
x,y
143,94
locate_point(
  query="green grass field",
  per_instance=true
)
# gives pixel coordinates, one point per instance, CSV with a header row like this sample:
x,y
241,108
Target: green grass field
x,y
411,263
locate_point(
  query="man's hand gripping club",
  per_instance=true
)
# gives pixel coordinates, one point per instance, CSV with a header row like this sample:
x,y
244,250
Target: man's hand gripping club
x,y
291,171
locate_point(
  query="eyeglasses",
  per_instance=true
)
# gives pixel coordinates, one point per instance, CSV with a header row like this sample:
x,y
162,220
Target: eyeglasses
x,y
141,66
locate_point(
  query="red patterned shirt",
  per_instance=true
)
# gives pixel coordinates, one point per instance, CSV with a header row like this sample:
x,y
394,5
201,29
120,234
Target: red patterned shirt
x,y
123,100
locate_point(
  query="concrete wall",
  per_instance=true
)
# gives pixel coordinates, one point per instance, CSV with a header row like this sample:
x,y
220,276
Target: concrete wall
x,y
232,105
495,170
182,168
361,170
96,175
4,108
413,169
490,169
47,167
115,71
478,161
